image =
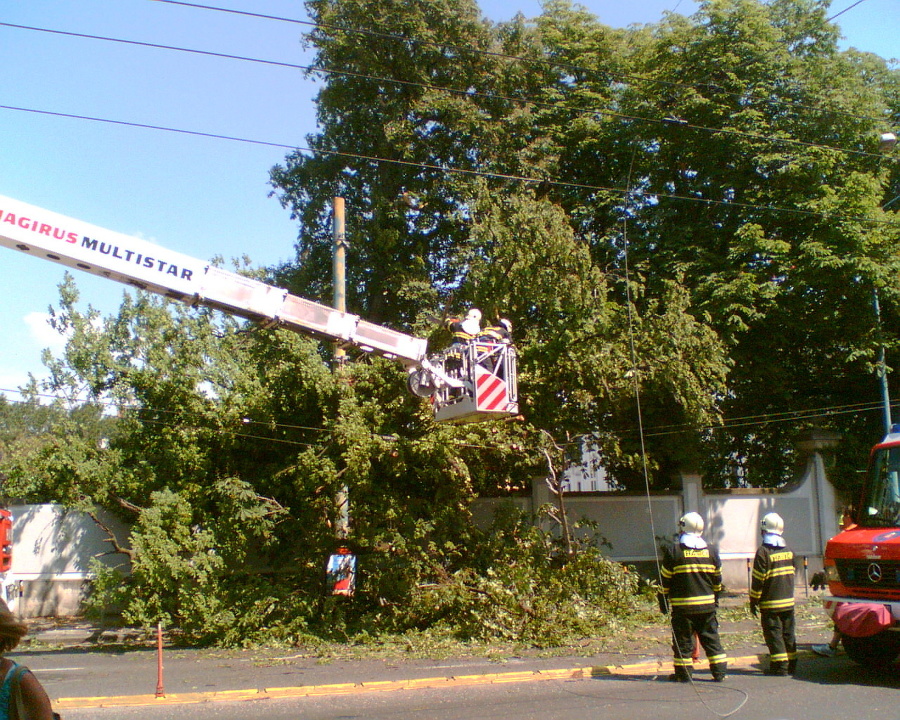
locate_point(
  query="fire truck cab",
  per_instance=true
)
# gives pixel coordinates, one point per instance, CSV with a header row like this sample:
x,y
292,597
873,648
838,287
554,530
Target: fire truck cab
x,y
862,564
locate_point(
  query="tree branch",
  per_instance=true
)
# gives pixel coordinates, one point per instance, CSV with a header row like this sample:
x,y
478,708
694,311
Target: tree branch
x,y
111,539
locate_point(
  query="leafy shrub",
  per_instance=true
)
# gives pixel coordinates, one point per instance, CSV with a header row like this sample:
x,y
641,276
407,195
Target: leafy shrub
x,y
516,585
511,583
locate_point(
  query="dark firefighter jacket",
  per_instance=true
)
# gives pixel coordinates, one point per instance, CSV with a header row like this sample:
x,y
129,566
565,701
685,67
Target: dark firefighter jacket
x,y
691,578
772,586
494,334
455,326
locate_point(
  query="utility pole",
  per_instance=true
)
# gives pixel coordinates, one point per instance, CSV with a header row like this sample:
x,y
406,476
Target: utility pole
x,y
882,367
339,264
339,257
887,142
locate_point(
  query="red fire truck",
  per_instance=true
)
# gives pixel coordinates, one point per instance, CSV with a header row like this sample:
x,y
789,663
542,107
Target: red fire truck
x,y
862,564
5,540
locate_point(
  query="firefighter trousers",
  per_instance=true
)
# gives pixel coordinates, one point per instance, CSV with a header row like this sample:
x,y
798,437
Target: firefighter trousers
x,y
706,626
780,636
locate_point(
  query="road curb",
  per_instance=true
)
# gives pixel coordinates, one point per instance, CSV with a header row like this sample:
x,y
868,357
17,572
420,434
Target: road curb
x,y
644,669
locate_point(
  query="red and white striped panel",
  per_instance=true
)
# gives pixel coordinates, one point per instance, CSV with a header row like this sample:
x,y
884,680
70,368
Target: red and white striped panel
x,y
490,390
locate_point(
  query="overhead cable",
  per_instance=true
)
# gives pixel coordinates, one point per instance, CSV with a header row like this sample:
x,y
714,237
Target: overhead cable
x,y
651,196
589,112
505,56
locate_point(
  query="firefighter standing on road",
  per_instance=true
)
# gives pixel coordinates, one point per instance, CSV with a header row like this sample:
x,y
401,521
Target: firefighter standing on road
x,y
691,583
772,596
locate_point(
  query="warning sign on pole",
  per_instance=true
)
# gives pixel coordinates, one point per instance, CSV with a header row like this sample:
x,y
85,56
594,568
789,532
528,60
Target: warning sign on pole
x,y
341,572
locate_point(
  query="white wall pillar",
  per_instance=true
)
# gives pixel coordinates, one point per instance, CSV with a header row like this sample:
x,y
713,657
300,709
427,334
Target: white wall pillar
x,y
692,494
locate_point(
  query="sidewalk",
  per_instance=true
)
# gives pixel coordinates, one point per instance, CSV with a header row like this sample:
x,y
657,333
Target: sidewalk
x,y
129,677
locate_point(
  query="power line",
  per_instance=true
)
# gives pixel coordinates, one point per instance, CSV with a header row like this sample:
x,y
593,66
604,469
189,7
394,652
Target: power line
x,y
469,93
228,433
765,418
858,2
463,171
234,433
777,418
146,126
159,46
505,56
657,431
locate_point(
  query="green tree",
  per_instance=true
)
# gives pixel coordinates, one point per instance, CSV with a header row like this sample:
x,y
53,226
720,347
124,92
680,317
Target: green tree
x,y
473,233
684,222
744,146
406,212
230,443
585,357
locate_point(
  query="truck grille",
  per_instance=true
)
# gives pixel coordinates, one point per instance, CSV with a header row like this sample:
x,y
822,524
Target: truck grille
x,y
875,574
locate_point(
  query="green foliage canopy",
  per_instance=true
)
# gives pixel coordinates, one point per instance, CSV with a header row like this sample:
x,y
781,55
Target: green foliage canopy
x,y
687,220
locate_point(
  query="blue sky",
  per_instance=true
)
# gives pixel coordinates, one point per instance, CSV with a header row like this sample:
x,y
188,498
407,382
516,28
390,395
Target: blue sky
x,y
198,195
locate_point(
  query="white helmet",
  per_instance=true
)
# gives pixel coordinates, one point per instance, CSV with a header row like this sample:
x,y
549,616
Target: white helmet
x,y
772,523
472,323
506,324
691,523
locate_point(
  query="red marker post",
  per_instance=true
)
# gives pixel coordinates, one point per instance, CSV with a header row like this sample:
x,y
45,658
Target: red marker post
x,y
160,691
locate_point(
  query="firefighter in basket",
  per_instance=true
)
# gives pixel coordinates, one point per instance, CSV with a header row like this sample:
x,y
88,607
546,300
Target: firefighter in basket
x,y
499,333
463,332
487,354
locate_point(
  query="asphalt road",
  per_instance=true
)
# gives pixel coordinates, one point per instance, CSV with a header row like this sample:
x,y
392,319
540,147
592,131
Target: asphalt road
x,y
93,673
825,689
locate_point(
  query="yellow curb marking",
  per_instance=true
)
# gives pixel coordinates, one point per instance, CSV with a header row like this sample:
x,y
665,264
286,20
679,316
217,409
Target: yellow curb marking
x,y
653,667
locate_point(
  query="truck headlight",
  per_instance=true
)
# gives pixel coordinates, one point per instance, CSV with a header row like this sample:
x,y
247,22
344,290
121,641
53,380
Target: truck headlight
x,y
831,573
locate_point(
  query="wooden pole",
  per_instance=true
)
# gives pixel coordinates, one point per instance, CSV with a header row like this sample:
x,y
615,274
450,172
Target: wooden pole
x,y
339,264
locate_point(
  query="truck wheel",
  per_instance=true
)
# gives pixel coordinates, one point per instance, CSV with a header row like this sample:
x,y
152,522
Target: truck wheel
x,y
876,652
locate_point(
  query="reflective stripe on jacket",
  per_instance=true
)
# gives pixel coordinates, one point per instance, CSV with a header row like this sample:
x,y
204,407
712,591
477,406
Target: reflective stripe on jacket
x,y
772,585
691,578
455,326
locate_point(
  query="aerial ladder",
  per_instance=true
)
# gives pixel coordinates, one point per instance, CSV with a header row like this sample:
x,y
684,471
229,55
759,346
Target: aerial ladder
x,y
479,385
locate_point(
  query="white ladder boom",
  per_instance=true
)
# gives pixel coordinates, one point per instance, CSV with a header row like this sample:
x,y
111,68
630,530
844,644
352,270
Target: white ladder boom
x,y
145,265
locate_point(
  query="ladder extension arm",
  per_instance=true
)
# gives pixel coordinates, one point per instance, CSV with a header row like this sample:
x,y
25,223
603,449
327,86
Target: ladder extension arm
x,y
147,266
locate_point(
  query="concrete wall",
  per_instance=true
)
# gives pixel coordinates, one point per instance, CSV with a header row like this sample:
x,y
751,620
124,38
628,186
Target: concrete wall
x,y
635,524
51,554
